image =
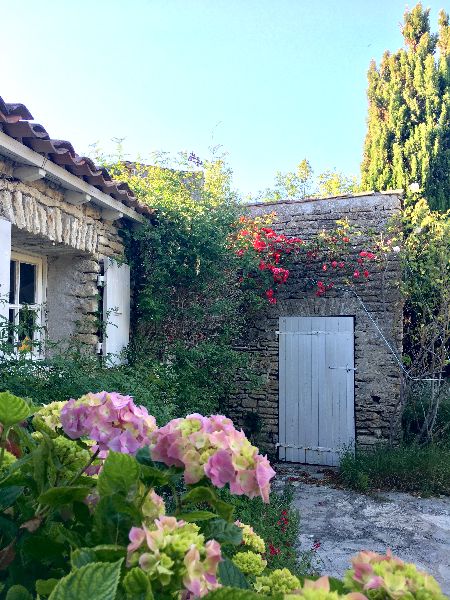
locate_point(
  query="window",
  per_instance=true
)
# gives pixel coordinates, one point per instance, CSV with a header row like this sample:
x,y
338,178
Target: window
x,y
26,295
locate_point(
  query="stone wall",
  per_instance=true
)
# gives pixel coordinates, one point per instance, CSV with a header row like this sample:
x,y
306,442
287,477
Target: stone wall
x,y
73,239
377,378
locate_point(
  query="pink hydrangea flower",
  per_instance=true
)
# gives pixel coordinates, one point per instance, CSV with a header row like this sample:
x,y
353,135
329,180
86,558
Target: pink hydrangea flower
x,y
212,447
200,575
175,557
220,469
113,421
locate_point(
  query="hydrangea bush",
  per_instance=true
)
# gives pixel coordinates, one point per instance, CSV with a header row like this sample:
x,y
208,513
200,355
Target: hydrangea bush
x,y
97,501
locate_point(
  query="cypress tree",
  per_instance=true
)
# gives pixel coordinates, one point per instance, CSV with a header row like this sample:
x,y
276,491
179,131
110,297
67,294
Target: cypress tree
x,y
408,133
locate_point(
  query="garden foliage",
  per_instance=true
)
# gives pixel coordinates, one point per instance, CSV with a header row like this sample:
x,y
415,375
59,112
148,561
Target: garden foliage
x,y
188,306
86,488
423,469
424,241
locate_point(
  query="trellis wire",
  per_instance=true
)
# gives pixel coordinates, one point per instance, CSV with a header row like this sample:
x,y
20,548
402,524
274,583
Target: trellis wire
x,y
391,348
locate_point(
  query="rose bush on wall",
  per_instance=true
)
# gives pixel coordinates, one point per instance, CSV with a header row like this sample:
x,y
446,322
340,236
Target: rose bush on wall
x,y
85,491
267,257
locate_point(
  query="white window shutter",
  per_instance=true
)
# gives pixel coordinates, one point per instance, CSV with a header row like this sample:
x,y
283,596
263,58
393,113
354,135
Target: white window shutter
x,y
5,259
116,309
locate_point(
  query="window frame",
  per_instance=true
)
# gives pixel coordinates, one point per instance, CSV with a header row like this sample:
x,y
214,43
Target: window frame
x,y
40,262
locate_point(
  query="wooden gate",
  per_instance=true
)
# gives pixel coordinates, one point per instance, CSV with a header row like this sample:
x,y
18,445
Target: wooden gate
x,y
316,379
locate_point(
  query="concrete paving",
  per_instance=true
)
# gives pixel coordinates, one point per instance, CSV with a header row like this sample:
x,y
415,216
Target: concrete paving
x,y
345,522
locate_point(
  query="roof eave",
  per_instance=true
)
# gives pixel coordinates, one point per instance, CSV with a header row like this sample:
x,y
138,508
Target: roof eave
x,y
23,155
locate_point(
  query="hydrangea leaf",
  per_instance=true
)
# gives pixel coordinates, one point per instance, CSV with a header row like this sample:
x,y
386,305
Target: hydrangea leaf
x,y
8,495
143,457
96,581
105,553
64,495
44,587
152,476
120,475
230,575
222,531
13,409
224,510
200,494
43,472
18,592
137,585
113,518
7,527
197,515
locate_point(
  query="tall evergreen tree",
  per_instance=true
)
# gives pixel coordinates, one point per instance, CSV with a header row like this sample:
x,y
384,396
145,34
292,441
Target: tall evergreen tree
x,y
408,135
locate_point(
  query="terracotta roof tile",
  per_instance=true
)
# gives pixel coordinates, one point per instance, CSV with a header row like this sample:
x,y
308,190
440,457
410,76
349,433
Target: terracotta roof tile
x,y
15,122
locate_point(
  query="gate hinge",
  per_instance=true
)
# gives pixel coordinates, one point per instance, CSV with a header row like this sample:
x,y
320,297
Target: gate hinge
x,y
347,368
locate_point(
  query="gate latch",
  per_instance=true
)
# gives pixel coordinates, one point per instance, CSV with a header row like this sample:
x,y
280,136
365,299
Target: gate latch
x,y
347,368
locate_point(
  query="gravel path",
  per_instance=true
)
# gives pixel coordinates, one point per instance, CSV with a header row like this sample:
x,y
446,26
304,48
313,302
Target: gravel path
x,y
345,522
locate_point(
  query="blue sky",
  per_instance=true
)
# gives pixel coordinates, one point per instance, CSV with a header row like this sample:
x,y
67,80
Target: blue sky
x,y
273,81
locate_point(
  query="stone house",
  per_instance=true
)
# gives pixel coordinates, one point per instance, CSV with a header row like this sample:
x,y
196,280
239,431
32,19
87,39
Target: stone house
x,y
329,374
329,379
61,270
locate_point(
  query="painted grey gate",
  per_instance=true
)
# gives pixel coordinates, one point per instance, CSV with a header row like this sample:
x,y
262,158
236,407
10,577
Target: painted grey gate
x,y
316,379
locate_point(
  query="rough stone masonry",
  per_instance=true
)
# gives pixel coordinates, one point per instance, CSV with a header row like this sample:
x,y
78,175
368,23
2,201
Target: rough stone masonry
x,y
377,375
72,239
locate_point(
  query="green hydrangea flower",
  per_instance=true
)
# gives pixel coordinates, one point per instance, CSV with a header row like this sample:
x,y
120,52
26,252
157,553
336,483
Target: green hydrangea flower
x,y
278,581
385,576
174,556
249,562
72,458
251,539
48,418
8,460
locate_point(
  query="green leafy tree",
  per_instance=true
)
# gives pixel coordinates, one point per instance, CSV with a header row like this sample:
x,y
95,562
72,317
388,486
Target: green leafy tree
x,y
301,183
334,183
408,135
289,185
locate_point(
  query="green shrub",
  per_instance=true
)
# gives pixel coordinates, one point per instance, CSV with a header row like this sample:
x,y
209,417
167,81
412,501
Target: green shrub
x,y
410,468
200,378
63,378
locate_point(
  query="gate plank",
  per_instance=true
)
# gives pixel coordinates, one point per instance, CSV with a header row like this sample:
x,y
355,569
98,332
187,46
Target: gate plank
x,y
282,388
306,415
292,392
